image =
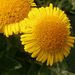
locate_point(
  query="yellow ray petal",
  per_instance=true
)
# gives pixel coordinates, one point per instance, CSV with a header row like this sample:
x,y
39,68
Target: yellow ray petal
x,y
31,1
34,54
33,4
70,41
61,14
23,38
51,59
9,29
33,49
65,53
56,57
51,9
27,35
24,42
45,57
54,11
60,56
42,57
41,10
67,48
33,13
29,30
65,18
48,59
47,10
68,26
57,12
5,31
17,28
70,44
13,28
39,56
27,46
71,37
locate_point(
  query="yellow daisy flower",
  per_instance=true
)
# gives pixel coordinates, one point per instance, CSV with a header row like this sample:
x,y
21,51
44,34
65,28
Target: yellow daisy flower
x,y
12,14
48,36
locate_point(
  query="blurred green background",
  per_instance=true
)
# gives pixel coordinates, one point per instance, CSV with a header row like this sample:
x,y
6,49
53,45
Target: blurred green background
x,y
15,61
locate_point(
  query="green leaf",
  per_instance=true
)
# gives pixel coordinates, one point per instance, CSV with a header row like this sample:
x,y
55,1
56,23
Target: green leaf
x,y
1,71
7,63
63,65
52,73
48,70
10,73
14,73
15,41
25,68
12,52
4,73
44,70
65,5
3,43
22,71
3,53
33,69
71,61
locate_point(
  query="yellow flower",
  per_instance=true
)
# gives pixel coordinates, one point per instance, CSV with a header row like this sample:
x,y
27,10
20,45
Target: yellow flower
x,y
48,36
12,14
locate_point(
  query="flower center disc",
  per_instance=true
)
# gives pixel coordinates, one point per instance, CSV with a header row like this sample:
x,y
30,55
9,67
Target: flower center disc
x,y
12,11
50,33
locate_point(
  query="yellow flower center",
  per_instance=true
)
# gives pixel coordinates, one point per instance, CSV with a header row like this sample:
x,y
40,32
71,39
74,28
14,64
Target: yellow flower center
x,y
50,33
12,11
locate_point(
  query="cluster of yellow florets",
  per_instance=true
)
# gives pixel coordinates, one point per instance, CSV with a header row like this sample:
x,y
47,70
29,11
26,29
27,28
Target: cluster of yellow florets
x,y
12,11
52,33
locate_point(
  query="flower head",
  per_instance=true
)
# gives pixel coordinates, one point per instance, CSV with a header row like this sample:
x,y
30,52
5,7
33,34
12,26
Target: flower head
x,y
12,13
48,36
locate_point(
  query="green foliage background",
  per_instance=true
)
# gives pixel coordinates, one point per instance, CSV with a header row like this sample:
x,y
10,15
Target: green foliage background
x,y
15,61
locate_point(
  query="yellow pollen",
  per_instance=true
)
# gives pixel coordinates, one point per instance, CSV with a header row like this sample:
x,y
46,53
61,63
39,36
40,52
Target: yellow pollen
x,y
12,11
50,33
